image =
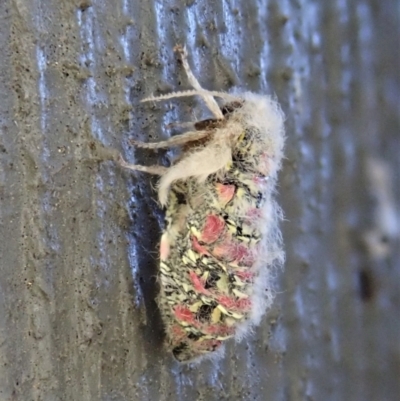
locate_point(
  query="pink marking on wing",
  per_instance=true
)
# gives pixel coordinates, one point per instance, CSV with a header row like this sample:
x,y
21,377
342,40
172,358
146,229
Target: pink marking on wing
x,y
260,181
241,253
265,164
244,304
225,192
213,228
235,304
254,214
177,333
219,329
223,250
198,284
244,275
234,252
164,248
184,314
197,247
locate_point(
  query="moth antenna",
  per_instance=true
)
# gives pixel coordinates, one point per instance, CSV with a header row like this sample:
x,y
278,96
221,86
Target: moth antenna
x,y
193,92
208,99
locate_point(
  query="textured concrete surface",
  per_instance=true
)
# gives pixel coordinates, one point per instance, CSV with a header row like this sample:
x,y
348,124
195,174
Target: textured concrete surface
x,y
78,237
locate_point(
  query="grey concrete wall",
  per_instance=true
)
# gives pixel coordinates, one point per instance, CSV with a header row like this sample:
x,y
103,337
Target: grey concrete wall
x,y
78,238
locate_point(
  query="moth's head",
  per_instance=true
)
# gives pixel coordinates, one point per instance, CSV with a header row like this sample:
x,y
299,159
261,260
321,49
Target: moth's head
x,y
229,108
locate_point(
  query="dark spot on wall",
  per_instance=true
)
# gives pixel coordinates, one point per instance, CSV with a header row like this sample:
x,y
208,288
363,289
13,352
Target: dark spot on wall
x,y
366,285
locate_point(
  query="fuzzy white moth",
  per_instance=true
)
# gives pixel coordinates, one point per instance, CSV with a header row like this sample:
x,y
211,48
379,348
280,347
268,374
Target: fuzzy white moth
x,y
221,243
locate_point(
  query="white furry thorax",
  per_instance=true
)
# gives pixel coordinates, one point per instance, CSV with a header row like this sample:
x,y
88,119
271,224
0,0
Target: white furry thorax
x,y
259,112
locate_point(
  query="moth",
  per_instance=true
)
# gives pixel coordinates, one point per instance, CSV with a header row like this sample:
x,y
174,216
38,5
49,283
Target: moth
x,y
221,244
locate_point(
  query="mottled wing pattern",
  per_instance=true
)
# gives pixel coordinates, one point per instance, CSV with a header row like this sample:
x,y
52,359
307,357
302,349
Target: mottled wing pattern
x,y
212,236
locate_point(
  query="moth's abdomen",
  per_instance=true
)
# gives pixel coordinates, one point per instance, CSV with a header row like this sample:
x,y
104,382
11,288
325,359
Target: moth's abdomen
x,y
210,270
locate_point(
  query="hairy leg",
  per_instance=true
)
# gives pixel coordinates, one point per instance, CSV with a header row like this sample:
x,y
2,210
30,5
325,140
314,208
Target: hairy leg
x,y
181,125
155,170
208,99
193,92
176,140
200,165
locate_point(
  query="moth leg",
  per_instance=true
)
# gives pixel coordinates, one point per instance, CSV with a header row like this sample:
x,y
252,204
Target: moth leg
x,y
155,170
199,165
193,92
178,124
176,140
208,124
208,99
